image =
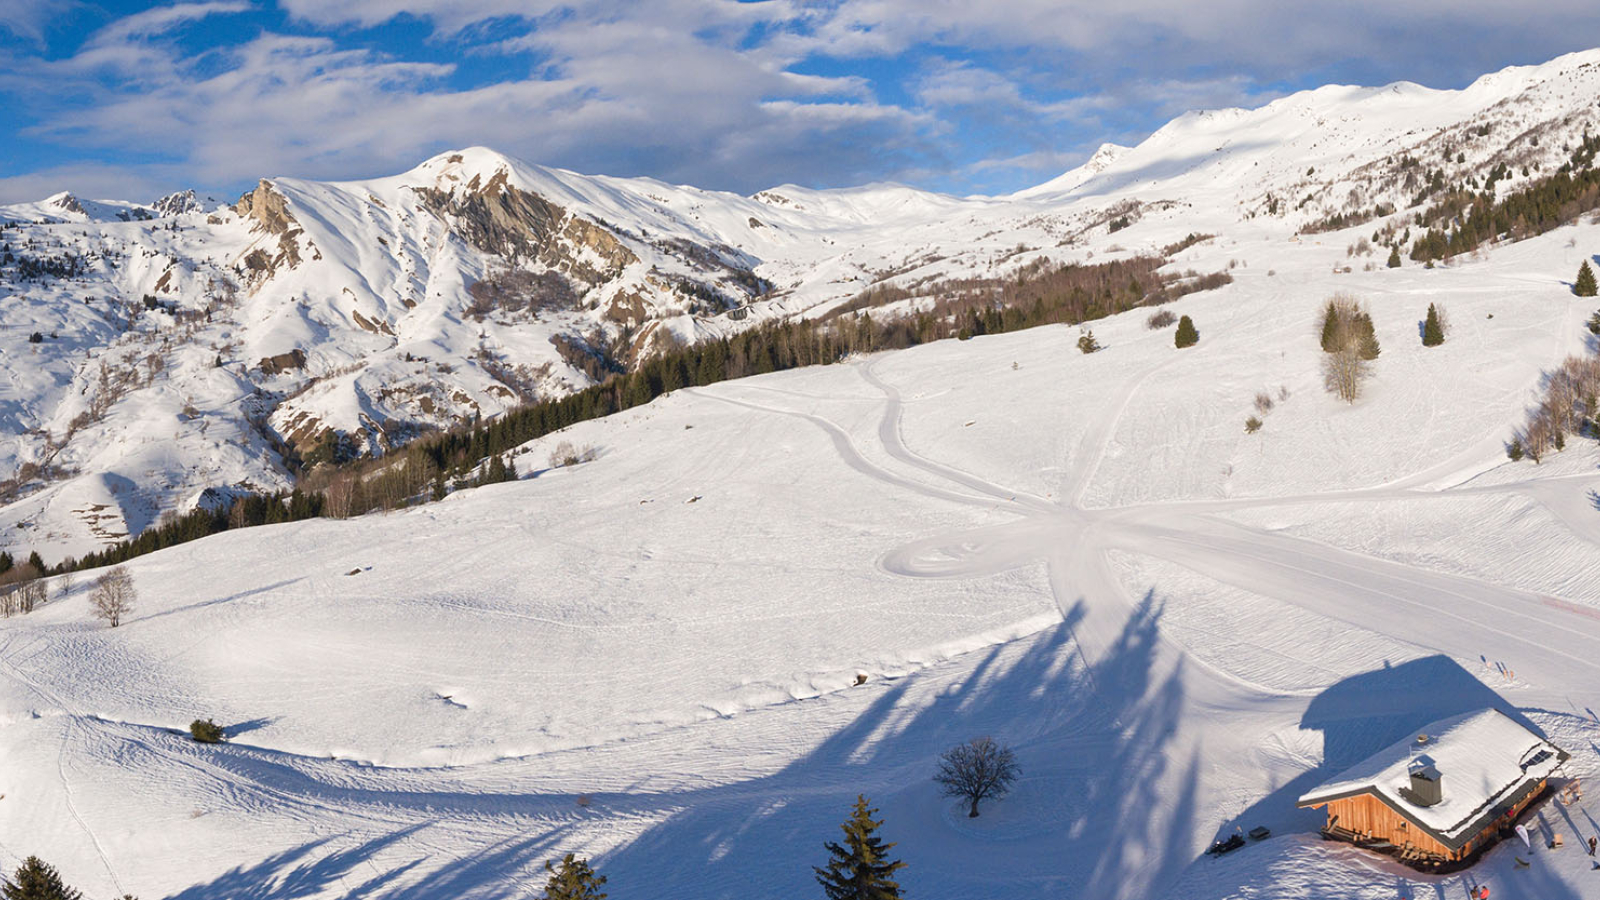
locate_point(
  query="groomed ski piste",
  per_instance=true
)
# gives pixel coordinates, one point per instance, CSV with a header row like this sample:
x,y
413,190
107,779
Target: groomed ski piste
x,y
650,658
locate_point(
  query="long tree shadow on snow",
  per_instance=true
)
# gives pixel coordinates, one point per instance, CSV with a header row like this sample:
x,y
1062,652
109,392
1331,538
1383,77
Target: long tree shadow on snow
x,y
353,873
1103,808
1094,815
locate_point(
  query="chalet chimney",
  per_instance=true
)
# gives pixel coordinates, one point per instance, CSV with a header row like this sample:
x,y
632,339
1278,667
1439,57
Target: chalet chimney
x,y
1425,785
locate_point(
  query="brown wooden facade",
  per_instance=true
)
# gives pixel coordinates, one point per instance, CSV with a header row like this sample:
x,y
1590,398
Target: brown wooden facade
x,y
1367,818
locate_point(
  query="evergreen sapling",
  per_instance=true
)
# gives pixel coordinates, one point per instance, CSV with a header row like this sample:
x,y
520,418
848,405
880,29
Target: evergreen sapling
x,y
1186,335
860,868
1584,286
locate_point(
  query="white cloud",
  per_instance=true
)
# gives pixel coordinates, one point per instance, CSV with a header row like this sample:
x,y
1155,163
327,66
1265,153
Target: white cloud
x,y
722,93
684,100
29,19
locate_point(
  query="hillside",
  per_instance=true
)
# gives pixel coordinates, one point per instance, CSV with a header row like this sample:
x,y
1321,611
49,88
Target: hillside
x,y
189,350
650,658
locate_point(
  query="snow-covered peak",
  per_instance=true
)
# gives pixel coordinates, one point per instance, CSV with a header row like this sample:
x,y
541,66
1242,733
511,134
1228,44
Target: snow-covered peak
x,y
1103,158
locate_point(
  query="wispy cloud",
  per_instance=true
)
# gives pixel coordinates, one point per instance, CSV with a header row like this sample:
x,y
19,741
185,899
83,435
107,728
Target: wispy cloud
x,y
725,94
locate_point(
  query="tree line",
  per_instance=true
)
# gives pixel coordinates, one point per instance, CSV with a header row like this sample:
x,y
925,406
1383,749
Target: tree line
x,y
1463,220
430,466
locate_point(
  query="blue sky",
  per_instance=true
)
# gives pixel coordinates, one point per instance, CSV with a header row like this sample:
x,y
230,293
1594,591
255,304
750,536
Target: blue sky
x,y
131,100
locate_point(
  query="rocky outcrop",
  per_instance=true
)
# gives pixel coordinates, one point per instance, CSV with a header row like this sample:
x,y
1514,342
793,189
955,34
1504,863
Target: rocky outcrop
x,y
69,203
283,362
266,208
521,226
268,212
177,204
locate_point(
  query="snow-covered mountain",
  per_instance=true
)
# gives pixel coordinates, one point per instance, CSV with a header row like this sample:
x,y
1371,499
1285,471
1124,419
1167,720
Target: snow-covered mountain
x,y
185,346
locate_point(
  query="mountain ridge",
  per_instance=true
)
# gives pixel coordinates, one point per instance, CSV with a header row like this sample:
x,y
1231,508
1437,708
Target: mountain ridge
x,y
313,321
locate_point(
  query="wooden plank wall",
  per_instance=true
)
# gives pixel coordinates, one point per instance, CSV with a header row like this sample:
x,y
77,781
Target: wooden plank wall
x,y
1368,816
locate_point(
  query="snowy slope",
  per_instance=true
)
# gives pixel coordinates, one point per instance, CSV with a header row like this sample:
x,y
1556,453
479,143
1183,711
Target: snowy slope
x,y
650,658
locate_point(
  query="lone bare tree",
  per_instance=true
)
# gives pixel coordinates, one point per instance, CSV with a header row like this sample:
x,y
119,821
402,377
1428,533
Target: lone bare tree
x,y
977,770
113,596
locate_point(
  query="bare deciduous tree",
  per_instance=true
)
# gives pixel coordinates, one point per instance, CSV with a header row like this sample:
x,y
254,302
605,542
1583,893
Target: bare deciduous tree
x,y
977,770
1343,370
113,596
30,595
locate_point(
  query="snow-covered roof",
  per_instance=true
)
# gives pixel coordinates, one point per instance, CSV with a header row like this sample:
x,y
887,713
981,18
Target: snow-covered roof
x,y
1484,759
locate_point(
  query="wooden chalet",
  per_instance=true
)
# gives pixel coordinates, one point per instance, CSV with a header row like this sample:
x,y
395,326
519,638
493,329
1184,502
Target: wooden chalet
x,y
1440,798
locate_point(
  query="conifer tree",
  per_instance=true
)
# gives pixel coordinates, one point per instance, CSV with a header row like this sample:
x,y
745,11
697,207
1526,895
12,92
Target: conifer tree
x,y
6,562
1514,451
1585,285
35,560
35,880
1186,335
1432,330
496,472
574,880
1332,332
1394,257
860,868
1367,342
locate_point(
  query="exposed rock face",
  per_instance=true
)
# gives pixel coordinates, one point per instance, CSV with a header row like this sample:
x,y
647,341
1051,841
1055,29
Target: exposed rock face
x,y
69,203
522,226
269,213
283,362
177,204
268,208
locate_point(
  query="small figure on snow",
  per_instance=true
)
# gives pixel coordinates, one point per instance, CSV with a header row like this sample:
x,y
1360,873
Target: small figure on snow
x,y
1592,842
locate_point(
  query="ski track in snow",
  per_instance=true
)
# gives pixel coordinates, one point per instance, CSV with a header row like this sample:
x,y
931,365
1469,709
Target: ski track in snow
x,y
1073,545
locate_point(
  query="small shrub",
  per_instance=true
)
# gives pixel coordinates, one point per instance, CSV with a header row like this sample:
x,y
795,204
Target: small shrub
x,y
1163,317
1514,451
1594,323
1252,425
205,731
566,454
1186,335
1263,402
1087,343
